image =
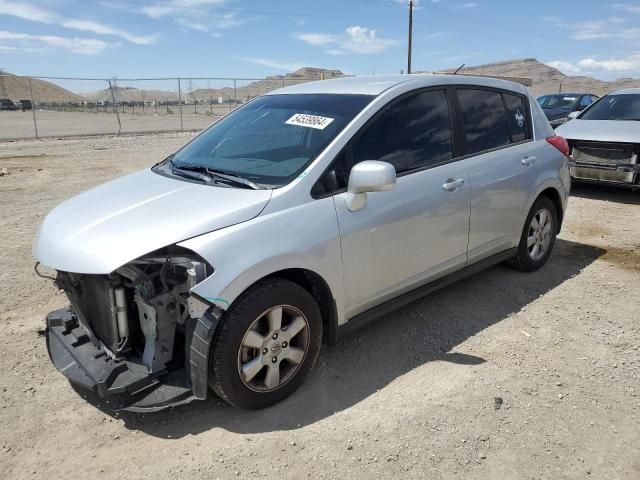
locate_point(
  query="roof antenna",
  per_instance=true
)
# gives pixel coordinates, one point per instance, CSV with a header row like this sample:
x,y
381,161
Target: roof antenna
x,y
459,68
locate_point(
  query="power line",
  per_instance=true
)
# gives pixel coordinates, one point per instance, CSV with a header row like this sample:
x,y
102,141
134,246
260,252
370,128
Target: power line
x,y
252,12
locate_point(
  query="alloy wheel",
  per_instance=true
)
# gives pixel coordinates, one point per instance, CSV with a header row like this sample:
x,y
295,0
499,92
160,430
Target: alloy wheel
x,y
539,235
273,348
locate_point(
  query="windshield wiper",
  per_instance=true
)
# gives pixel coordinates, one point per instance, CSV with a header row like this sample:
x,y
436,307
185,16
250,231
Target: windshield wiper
x,y
189,172
233,178
207,174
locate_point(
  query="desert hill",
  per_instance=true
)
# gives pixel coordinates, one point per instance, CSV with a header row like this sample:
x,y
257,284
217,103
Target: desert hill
x,y
189,94
16,88
547,79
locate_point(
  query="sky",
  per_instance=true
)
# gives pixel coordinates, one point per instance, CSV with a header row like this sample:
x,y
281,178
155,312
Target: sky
x,y
251,38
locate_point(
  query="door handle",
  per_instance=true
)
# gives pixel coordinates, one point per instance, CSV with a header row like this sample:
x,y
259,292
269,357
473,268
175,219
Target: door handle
x,y
528,161
452,184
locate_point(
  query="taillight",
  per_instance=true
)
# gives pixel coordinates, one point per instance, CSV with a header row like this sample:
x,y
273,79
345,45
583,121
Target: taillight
x,y
560,143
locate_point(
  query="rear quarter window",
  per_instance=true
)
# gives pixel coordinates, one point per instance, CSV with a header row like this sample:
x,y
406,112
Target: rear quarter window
x,y
517,117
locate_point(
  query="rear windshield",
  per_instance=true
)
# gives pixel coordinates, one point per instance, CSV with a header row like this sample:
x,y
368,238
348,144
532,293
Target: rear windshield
x,y
614,107
558,101
273,138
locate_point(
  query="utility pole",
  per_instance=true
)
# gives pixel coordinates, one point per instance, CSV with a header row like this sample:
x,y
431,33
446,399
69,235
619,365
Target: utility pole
x,y
410,35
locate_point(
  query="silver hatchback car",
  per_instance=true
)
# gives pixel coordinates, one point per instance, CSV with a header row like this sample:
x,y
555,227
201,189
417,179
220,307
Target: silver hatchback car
x,y
304,213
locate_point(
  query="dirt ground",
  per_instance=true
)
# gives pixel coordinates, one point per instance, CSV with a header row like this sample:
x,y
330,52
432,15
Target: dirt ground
x,y
503,376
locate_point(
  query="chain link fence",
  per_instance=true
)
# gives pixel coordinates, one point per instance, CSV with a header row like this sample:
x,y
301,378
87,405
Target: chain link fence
x,y
38,107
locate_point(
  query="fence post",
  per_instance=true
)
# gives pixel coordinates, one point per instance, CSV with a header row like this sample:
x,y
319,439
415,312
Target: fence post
x,y
180,105
235,94
115,108
33,109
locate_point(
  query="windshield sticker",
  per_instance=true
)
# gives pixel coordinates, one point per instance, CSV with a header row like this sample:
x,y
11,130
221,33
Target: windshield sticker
x,y
310,121
519,118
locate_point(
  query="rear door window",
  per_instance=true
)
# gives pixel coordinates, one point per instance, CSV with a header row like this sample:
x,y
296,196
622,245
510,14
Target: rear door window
x,y
492,119
517,117
484,119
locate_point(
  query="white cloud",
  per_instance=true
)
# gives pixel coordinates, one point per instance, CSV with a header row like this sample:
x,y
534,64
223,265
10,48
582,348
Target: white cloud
x,y
200,15
37,14
81,46
607,28
356,40
27,12
564,67
267,62
100,29
630,63
627,7
316,39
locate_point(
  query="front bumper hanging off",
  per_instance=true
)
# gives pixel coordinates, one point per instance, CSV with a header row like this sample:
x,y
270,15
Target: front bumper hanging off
x,y
127,384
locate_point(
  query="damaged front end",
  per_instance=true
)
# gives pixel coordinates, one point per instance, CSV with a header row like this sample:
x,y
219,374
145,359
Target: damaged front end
x,y
137,337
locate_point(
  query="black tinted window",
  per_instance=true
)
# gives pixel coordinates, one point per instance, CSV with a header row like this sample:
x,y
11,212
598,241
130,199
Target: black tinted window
x,y
484,119
517,116
414,132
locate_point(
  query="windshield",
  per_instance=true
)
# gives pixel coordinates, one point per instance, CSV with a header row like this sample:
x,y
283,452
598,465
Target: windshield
x,y
273,138
558,101
614,107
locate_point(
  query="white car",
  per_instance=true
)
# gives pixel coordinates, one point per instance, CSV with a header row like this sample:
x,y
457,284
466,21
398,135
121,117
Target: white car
x,y
605,140
304,213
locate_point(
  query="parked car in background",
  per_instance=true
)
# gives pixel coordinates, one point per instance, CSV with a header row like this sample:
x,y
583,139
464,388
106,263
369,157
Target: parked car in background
x,y
558,106
605,140
6,104
302,214
25,105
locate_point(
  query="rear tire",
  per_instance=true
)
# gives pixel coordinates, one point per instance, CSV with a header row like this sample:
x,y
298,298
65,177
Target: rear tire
x,y
538,236
266,346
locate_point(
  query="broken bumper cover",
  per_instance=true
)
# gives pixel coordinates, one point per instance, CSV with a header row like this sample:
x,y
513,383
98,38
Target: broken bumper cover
x,y
125,385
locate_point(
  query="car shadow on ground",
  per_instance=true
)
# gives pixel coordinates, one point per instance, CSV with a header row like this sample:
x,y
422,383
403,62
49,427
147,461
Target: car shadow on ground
x,y
605,192
369,359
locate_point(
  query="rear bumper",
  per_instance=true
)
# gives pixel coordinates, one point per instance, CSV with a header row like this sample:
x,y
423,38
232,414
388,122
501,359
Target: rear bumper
x,y
125,384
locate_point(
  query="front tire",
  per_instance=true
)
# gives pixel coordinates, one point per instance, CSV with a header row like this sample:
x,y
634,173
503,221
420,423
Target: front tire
x,y
538,236
267,345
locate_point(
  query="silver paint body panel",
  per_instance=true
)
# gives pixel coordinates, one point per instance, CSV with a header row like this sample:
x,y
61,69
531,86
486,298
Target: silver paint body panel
x,y
400,240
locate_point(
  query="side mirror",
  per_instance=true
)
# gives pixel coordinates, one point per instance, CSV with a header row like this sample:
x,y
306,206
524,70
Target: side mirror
x,y
368,176
573,114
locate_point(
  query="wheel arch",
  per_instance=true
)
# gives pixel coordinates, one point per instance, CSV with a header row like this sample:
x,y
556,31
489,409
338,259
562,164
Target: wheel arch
x,y
319,289
552,194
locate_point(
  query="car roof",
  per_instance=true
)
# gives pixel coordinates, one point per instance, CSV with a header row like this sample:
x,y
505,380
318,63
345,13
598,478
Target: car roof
x,y
377,84
626,91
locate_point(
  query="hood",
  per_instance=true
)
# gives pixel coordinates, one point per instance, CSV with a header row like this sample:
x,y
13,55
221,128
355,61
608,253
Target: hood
x,y
110,225
554,113
626,131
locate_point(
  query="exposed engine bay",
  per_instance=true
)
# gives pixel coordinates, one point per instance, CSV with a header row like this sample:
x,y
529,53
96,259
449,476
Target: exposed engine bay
x,y
138,325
